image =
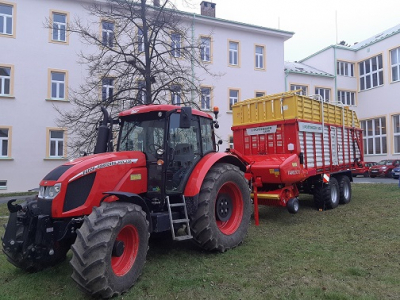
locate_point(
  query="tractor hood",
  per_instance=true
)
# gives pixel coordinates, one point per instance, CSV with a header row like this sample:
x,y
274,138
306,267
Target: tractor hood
x,y
75,187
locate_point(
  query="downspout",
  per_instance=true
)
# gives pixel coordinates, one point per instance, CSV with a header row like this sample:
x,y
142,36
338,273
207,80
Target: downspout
x,y
335,68
286,76
192,94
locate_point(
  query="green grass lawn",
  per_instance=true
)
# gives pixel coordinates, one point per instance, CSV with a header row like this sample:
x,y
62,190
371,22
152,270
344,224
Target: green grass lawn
x,y
352,252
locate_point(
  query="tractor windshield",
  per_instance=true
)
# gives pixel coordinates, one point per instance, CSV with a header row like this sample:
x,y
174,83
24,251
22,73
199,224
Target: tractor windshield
x,y
142,133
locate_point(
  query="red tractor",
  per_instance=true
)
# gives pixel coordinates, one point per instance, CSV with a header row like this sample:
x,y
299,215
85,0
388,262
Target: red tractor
x,y
165,175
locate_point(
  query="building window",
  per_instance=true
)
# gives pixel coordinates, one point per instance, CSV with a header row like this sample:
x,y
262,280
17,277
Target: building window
x,y
234,53
230,138
56,142
347,98
345,68
233,98
259,57
374,131
324,93
260,94
107,32
3,184
206,98
5,145
303,88
371,73
6,19
107,91
176,44
176,95
395,64
141,94
140,40
396,133
59,27
205,49
5,81
58,85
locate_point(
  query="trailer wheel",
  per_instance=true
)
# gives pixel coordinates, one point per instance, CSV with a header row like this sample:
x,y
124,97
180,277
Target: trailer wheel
x,y
110,249
293,205
327,195
223,215
344,189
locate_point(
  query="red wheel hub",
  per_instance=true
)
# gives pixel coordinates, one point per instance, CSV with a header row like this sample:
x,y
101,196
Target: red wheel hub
x,y
229,208
123,263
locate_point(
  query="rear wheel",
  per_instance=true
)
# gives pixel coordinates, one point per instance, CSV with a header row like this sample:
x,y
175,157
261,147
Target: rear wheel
x,y
344,189
223,215
110,249
327,195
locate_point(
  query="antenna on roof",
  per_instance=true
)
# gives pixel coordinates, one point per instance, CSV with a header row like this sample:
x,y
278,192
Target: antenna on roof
x,y
336,27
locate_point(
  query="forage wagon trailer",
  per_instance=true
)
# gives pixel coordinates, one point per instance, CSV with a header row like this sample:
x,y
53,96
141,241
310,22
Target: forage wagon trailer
x,y
292,143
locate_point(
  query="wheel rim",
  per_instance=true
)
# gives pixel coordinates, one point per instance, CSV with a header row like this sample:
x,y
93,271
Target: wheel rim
x,y
129,236
346,191
229,200
334,194
296,205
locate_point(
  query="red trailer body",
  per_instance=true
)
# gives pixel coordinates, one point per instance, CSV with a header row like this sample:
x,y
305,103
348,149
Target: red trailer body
x,y
290,143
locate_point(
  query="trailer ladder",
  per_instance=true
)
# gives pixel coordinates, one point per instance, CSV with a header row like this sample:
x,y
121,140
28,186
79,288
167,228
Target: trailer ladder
x,y
184,221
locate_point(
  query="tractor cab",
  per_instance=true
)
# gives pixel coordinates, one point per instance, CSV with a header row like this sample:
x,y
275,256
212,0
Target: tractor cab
x,y
173,139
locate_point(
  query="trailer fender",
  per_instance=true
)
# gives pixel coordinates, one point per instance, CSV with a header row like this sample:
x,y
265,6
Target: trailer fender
x,y
131,198
198,174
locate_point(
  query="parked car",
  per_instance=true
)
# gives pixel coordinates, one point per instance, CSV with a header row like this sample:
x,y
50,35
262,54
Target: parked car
x,y
396,173
384,168
362,168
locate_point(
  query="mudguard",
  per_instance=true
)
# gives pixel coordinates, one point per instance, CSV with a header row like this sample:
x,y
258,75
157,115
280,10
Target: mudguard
x,y
196,178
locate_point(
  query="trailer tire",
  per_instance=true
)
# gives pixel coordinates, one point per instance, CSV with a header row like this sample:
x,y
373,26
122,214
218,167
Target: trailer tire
x,y
293,205
344,189
327,196
224,187
110,249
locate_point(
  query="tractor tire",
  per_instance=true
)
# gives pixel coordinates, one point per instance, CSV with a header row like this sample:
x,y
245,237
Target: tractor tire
x,y
327,195
110,249
344,189
224,210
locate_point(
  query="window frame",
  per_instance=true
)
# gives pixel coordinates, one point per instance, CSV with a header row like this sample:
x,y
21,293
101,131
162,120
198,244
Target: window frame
x,y
9,143
108,88
395,134
231,101
176,91
50,85
176,47
209,47
264,93
381,136
51,29
49,140
366,77
11,80
232,52
325,91
345,94
259,57
13,19
297,86
3,187
394,67
344,68
210,98
107,32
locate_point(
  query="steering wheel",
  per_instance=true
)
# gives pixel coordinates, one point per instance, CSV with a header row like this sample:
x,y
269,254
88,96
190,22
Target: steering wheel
x,y
153,147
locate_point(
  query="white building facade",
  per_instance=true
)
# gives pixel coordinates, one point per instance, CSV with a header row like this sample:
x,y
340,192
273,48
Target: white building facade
x,y
38,67
364,76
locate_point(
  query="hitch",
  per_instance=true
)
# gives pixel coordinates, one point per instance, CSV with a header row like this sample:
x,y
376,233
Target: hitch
x,y
13,208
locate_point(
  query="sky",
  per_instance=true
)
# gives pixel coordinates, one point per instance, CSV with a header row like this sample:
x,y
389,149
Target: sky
x,y
316,23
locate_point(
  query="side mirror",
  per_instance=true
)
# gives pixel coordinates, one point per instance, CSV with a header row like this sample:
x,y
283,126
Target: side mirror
x,y
185,119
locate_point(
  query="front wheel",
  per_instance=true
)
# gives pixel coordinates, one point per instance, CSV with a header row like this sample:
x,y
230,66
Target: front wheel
x,y
223,215
110,249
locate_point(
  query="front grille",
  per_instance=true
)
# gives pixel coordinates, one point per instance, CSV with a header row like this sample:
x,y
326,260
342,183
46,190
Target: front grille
x,y
78,191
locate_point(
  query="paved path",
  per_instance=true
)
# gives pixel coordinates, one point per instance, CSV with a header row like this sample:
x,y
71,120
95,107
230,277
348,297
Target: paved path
x,y
6,199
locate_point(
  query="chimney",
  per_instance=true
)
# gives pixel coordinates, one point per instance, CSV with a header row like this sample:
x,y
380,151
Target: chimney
x,y
207,9
156,3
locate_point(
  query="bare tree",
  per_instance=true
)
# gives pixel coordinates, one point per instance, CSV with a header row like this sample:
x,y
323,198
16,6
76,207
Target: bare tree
x,y
143,55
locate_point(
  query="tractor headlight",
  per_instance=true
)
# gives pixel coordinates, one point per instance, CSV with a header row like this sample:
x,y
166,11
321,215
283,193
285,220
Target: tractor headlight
x,y
49,192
